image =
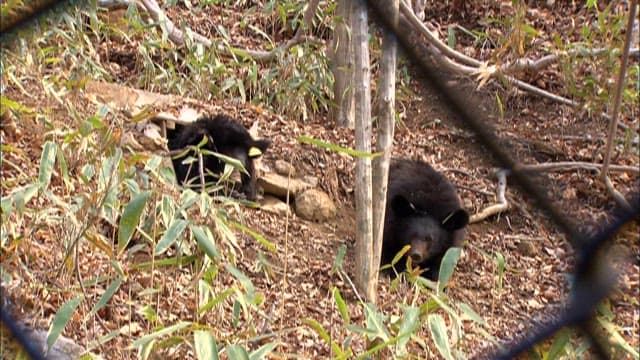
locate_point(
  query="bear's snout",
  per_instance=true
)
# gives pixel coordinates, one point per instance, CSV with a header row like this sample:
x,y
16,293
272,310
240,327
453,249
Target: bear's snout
x,y
419,251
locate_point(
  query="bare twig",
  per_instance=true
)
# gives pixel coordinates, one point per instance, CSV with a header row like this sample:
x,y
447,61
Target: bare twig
x,y
502,205
604,173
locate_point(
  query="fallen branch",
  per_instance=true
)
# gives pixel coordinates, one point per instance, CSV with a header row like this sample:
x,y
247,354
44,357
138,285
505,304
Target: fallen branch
x,y
177,36
615,194
459,63
502,205
521,65
573,165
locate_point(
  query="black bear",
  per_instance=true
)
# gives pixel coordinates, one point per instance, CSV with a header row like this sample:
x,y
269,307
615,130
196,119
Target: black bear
x,y
423,210
224,136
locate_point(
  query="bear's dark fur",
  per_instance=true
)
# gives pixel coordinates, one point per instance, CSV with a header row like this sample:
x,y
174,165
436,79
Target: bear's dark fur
x,y
224,136
423,210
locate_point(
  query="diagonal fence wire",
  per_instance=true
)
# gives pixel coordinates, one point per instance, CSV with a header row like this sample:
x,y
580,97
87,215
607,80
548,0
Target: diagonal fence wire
x,y
20,334
593,277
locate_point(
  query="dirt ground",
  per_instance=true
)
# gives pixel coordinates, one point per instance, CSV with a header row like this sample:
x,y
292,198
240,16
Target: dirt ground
x,y
538,258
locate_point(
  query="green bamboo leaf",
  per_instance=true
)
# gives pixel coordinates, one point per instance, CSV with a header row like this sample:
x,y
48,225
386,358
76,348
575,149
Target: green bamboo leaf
x,y
410,323
438,330
451,37
400,254
108,294
61,319
342,305
262,351
375,323
215,301
22,196
205,240
337,262
6,103
130,219
337,148
259,238
447,265
468,311
244,280
205,344
560,341
237,352
169,237
324,335
162,332
617,338
317,327
47,162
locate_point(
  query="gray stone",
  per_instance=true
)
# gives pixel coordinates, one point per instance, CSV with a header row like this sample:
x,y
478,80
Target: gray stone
x,y
274,205
278,185
285,169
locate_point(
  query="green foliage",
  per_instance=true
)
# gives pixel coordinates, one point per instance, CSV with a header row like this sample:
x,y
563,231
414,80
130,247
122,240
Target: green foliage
x,y
336,148
390,335
124,191
61,319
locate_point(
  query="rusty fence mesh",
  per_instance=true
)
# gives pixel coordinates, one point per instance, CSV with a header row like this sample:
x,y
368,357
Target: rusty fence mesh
x,y
592,276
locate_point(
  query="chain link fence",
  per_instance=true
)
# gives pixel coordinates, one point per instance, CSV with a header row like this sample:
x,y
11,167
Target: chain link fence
x,y
594,279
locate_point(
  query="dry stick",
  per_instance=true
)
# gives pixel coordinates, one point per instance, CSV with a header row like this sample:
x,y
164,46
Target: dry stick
x,y
502,205
462,64
616,109
286,252
201,171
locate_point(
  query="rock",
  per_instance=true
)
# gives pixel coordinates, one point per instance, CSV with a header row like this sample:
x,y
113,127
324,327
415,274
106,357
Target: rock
x,y
285,169
526,248
63,349
274,205
311,180
315,205
277,185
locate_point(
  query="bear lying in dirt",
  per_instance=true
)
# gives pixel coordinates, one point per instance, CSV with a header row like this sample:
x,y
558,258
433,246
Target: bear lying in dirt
x,y
424,211
224,136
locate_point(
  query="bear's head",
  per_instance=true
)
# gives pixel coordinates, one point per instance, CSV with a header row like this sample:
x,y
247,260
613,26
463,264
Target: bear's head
x,y
428,236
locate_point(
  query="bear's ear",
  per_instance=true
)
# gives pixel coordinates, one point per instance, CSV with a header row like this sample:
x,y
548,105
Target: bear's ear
x,y
402,207
258,148
456,220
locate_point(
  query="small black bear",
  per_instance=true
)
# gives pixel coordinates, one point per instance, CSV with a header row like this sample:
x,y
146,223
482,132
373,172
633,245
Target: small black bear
x,y
224,136
423,210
